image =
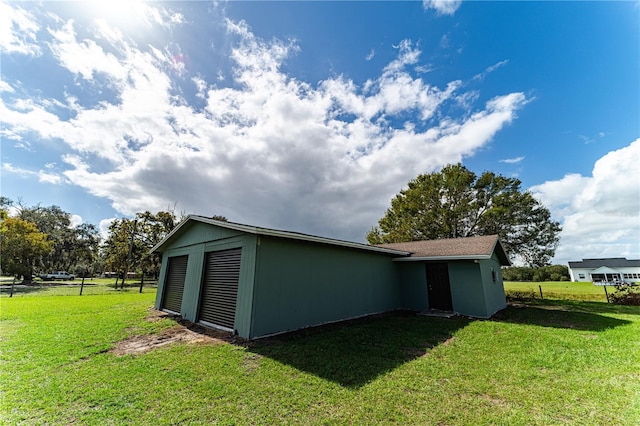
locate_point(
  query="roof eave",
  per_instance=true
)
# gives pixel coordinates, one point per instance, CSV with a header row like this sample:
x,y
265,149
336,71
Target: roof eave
x,y
502,255
157,248
426,258
273,233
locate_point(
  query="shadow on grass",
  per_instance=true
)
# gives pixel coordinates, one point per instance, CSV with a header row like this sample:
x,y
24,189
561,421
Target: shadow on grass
x,y
562,314
354,353
21,289
39,286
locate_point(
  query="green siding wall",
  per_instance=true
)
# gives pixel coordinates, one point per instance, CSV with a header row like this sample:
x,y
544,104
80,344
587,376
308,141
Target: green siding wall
x,y
493,290
473,290
413,286
301,284
467,293
201,233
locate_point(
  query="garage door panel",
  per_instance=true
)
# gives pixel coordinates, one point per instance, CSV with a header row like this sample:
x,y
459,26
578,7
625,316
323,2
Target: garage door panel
x,y
220,287
174,284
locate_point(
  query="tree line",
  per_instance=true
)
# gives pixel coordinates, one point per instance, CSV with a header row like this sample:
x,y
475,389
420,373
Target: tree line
x,y
543,273
41,239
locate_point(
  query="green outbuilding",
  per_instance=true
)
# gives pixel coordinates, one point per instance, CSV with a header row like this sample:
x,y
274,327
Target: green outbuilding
x,y
257,282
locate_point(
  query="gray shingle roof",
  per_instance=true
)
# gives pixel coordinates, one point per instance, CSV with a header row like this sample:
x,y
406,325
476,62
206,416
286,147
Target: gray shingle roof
x,y
463,248
611,262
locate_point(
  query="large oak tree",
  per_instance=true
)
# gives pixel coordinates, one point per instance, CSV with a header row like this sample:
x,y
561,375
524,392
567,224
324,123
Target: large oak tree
x,y
74,247
20,245
455,202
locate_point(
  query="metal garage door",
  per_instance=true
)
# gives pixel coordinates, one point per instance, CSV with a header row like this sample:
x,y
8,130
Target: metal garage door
x,y
174,285
220,287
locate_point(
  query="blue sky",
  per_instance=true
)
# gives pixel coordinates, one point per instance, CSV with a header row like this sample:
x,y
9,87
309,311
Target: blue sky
x,y
311,116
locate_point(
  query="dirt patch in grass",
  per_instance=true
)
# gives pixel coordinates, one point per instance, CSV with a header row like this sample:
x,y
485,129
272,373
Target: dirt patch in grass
x,y
251,362
156,315
498,402
136,345
448,341
545,307
183,332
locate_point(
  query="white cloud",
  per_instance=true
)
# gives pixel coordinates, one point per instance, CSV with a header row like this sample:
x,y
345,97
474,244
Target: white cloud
x,y
370,55
42,175
103,227
201,86
18,30
30,115
45,177
497,65
76,220
133,13
490,69
20,144
393,92
515,160
270,150
442,7
86,57
5,87
591,139
600,213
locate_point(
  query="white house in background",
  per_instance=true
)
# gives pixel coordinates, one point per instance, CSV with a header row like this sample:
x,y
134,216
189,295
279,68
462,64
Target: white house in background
x,y
616,269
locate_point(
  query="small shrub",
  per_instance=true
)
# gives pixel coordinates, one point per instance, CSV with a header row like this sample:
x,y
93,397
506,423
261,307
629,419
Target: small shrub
x,y
626,295
520,295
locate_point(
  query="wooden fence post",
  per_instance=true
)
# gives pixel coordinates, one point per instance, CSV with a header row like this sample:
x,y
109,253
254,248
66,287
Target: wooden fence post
x,y
540,288
12,283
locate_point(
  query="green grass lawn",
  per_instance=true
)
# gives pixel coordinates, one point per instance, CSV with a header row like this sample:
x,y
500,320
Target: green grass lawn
x,y
558,290
549,362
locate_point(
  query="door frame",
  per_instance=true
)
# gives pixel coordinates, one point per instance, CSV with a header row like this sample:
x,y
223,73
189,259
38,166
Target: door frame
x,y
438,286
199,318
170,260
